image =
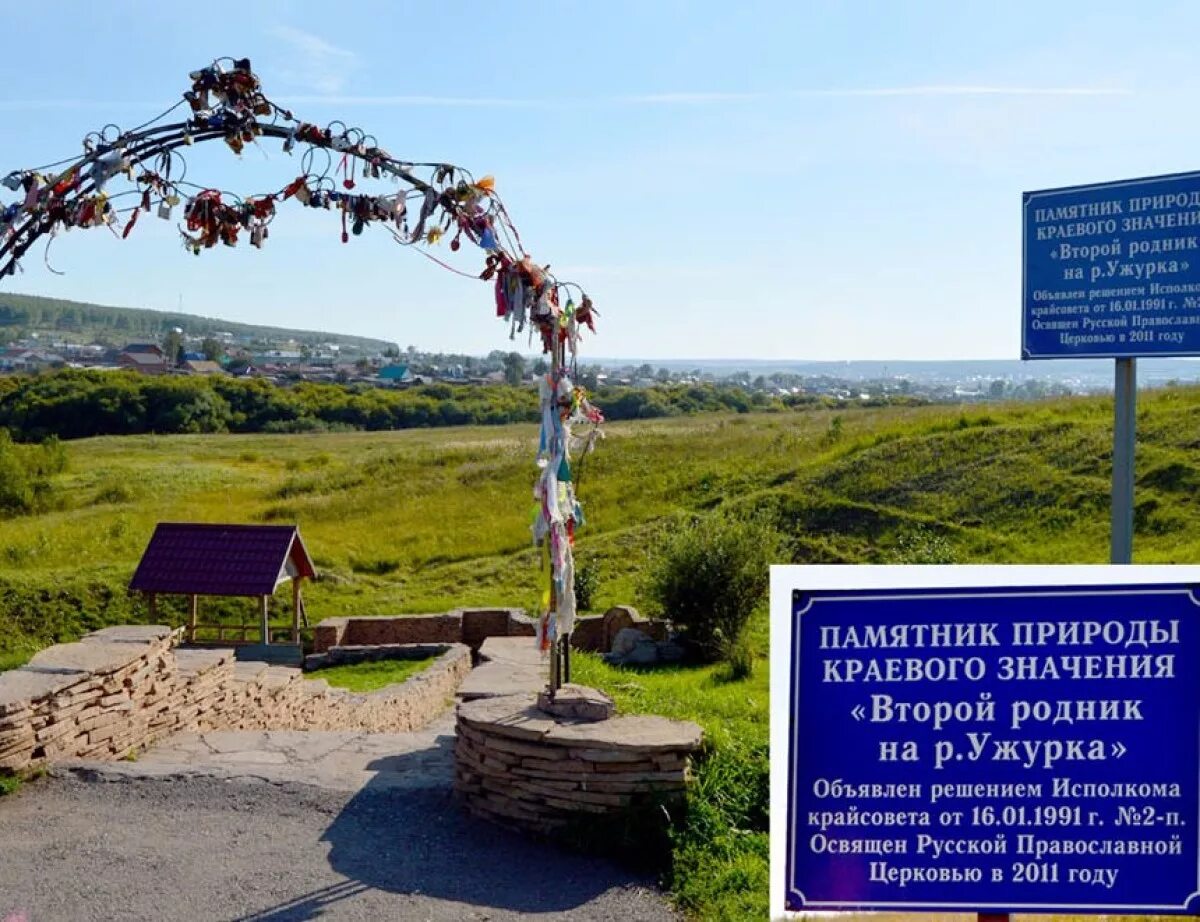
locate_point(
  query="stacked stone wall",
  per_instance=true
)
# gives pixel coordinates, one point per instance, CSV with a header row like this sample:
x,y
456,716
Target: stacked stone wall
x,y
99,698
117,690
283,699
473,626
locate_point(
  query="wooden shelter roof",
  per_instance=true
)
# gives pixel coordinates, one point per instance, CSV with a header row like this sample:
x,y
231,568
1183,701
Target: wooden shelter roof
x,y
189,558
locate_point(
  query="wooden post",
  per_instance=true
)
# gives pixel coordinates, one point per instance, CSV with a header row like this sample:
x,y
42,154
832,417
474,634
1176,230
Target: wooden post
x,y
265,619
296,609
193,609
153,608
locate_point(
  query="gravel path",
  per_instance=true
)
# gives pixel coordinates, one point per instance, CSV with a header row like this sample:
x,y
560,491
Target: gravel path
x,y
209,848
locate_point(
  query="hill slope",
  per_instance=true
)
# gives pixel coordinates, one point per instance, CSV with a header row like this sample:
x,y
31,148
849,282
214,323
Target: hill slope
x,y
422,520
87,321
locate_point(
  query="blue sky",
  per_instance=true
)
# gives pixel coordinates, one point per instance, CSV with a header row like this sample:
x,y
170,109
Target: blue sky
x,y
761,180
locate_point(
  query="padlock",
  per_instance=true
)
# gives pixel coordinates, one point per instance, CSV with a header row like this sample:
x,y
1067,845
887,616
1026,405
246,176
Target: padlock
x,y
164,210
258,234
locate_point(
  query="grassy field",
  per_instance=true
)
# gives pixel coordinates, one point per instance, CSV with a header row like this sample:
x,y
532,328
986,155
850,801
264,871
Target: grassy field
x,y
425,520
431,519
368,677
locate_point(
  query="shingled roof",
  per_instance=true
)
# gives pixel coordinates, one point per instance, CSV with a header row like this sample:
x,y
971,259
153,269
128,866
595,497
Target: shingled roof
x,y
246,560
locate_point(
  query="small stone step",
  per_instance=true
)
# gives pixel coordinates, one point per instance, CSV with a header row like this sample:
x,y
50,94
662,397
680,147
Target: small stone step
x,y
247,671
277,677
191,661
491,680
519,651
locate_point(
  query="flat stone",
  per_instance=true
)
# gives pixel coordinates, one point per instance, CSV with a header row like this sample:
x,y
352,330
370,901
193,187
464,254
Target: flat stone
x,y
607,755
499,679
194,660
11,739
519,651
279,676
518,748
248,670
20,686
95,657
577,701
129,633
639,732
627,638
644,654
516,716
316,661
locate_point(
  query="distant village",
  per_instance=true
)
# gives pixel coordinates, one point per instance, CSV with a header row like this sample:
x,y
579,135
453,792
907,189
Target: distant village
x,y
286,360
223,353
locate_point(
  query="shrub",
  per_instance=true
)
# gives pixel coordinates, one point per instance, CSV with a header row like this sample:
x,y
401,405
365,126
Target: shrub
x,y
25,472
740,657
587,581
709,576
833,434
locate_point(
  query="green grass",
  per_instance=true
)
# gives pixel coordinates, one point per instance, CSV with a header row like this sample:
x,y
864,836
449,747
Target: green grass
x,y
10,784
426,520
720,859
14,658
368,677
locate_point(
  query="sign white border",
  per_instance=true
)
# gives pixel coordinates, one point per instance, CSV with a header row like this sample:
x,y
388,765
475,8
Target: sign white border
x,y
786,579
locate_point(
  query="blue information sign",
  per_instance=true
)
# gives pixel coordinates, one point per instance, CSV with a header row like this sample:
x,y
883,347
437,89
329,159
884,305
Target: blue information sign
x,y
1112,270
1000,749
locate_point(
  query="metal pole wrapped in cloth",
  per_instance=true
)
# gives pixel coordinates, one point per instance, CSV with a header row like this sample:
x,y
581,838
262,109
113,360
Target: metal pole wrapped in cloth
x,y
559,513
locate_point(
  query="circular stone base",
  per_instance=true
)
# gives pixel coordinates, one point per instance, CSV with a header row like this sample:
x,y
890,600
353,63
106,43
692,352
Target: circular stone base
x,y
577,702
519,766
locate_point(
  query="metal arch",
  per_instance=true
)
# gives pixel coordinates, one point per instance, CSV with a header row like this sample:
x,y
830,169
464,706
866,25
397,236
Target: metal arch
x,y
454,190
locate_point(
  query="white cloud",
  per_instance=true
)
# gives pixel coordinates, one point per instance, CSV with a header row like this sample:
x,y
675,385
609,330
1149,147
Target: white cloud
x,y
883,91
969,90
320,66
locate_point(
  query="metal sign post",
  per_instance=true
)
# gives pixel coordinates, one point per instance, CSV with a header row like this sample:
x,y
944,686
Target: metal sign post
x,y
1124,441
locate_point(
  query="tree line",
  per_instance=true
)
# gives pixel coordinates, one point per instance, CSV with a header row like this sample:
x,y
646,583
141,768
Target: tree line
x,y
78,403
20,314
